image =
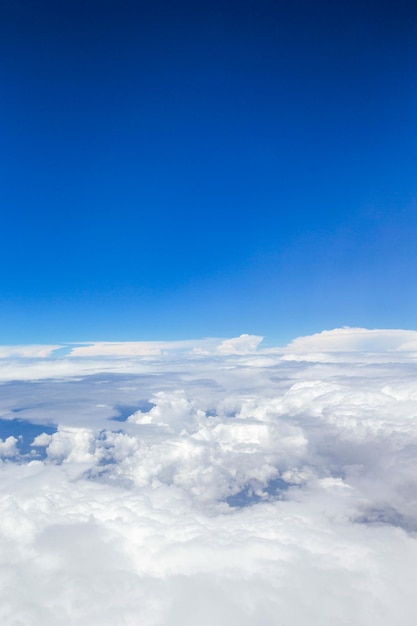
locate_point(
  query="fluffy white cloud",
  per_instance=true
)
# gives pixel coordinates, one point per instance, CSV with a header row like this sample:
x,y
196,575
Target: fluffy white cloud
x,y
355,339
229,487
240,345
8,447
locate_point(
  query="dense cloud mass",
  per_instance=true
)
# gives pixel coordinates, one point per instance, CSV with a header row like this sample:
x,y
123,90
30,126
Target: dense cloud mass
x,y
210,482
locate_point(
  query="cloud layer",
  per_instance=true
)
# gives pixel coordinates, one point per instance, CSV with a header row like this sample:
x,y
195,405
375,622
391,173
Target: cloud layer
x,y
213,483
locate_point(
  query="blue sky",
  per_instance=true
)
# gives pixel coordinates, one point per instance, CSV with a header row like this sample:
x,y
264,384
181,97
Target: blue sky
x,y
178,169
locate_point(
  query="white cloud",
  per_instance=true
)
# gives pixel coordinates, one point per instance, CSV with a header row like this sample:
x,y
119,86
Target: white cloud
x,y
237,345
28,351
240,345
8,447
355,339
142,348
243,487
126,348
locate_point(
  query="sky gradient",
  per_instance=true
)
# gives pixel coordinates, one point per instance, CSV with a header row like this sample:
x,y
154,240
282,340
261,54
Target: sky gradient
x,y
180,169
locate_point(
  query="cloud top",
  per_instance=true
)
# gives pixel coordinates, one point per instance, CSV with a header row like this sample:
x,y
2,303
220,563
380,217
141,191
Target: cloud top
x,y
28,351
245,344
356,340
211,483
336,340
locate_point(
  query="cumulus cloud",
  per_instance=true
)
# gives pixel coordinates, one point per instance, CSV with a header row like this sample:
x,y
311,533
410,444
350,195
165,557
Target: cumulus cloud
x,y
355,339
243,344
235,486
240,345
8,447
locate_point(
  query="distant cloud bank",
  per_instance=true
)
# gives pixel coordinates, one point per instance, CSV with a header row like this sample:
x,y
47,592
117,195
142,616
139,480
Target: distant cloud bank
x,y
212,481
356,339
337,340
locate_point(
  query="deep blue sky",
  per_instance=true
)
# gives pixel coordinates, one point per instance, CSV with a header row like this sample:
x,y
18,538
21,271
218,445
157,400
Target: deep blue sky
x,y
180,169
